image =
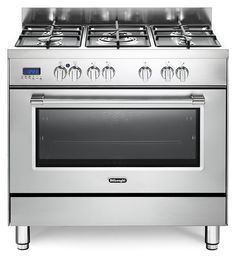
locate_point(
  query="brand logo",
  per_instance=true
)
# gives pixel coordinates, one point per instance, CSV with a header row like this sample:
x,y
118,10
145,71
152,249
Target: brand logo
x,y
117,180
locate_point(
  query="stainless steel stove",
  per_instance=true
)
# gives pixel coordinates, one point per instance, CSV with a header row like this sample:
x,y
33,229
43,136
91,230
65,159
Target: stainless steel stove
x,y
117,116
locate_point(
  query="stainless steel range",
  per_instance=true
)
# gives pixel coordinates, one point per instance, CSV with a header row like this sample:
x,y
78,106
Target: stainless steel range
x,y
117,117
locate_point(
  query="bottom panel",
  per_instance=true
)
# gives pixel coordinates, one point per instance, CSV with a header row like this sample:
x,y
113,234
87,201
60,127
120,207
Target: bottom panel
x,y
85,211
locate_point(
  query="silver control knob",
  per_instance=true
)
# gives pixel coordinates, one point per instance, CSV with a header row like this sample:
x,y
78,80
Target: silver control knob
x,y
145,73
167,73
60,72
75,73
108,72
182,73
93,72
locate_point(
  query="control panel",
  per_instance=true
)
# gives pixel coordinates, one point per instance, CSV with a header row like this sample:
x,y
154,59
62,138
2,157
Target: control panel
x,y
33,73
86,72
108,72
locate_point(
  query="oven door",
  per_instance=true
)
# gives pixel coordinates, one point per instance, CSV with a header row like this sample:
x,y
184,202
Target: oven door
x,y
129,141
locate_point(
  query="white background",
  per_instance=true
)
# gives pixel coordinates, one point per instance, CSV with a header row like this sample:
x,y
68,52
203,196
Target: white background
x,y
116,242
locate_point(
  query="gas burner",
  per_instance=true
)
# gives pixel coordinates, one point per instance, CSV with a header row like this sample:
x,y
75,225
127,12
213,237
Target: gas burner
x,y
53,41
117,35
56,43
184,35
57,33
179,33
126,37
182,41
54,35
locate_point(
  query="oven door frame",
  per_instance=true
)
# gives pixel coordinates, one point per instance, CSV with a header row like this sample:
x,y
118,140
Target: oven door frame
x,y
96,179
180,102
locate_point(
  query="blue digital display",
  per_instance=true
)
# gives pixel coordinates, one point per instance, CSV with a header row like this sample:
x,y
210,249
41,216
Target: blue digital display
x,y
31,71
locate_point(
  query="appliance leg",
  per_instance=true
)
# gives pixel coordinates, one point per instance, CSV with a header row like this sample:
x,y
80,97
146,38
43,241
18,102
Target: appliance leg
x,y
22,237
212,237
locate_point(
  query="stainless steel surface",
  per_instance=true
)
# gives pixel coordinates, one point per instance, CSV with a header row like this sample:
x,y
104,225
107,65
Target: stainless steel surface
x,y
212,237
117,100
209,177
202,72
150,53
109,15
151,77
22,237
78,211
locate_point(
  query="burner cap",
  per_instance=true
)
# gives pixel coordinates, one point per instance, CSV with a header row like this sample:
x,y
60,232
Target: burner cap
x,y
57,33
181,40
54,41
124,37
179,33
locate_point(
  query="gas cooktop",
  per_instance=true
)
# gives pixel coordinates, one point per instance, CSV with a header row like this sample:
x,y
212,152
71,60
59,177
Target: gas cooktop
x,y
117,35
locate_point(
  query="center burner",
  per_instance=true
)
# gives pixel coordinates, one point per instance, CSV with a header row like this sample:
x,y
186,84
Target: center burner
x,y
117,36
124,37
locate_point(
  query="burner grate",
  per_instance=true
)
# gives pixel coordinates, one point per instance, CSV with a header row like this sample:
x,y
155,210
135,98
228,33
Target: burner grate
x,y
55,35
115,35
179,35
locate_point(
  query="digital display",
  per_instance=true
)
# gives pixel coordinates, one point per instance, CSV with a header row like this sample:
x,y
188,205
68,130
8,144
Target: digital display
x,y
31,71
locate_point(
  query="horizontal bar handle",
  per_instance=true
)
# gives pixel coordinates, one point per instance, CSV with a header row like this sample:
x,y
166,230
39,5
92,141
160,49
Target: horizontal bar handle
x,y
37,99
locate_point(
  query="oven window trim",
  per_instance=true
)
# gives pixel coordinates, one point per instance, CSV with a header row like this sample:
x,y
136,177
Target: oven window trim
x,y
198,167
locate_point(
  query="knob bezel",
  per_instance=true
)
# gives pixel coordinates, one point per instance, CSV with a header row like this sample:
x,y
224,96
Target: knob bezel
x,y
93,68
111,70
167,70
76,69
64,72
141,73
180,71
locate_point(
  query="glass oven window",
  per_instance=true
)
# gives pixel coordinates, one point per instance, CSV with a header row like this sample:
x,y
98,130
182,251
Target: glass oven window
x,y
117,137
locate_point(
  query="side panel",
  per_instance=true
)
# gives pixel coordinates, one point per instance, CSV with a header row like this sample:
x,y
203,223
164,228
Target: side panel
x,y
81,211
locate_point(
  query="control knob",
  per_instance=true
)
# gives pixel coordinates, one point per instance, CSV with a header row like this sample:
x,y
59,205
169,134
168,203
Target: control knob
x,y
145,73
93,72
167,73
60,72
75,73
182,73
108,72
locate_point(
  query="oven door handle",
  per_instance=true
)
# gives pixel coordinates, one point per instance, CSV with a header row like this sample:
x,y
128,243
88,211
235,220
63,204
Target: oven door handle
x,y
41,99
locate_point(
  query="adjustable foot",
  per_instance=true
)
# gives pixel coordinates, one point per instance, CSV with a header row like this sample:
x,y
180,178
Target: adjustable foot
x,y
22,247
22,237
212,237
